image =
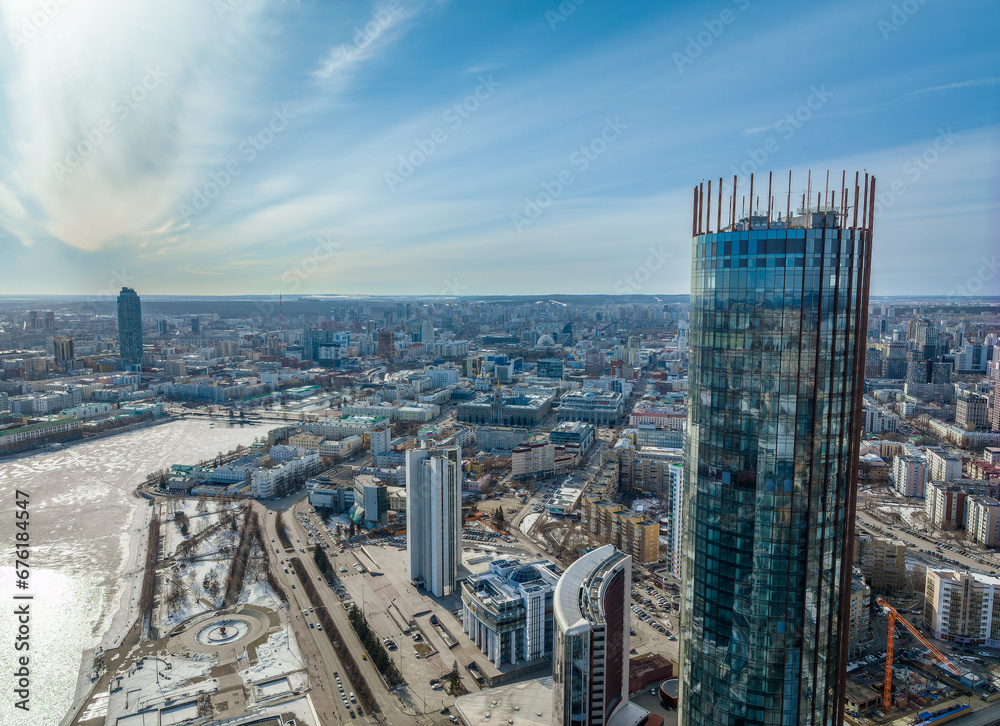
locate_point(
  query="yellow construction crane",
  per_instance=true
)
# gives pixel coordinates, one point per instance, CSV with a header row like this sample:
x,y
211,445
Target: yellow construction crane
x,y
893,617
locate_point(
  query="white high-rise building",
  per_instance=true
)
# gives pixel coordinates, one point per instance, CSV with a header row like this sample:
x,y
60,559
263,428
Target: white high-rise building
x,y
943,466
379,438
427,333
960,607
434,517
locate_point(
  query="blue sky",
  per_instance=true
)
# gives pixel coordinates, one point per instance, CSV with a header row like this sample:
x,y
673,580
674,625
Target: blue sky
x,y
252,146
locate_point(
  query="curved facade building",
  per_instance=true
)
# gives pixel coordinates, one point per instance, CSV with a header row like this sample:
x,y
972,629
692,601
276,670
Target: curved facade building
x,y
777,345
590,651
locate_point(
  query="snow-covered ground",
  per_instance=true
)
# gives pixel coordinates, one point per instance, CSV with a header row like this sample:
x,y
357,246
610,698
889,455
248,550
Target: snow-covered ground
x,y
529,521
207,563
302,708
152,682
279,656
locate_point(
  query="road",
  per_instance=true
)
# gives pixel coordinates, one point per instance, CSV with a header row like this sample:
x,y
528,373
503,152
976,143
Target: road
x,y
927,548
321,659
392,711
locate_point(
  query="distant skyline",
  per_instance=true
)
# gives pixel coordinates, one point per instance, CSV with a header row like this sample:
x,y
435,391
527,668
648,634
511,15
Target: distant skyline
x,y
391,148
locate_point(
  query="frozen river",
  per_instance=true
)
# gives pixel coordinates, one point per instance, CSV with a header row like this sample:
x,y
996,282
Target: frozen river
x,y
82,510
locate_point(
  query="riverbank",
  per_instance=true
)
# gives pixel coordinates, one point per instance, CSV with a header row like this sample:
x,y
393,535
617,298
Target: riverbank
x,y
124,620
88,527
68,443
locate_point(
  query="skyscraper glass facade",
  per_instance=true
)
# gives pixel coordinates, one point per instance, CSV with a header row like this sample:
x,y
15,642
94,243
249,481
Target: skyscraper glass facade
x,y
129,327
777,347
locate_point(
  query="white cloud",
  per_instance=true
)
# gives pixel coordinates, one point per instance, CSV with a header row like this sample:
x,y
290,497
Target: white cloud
x,y
960,84
103,102
388,22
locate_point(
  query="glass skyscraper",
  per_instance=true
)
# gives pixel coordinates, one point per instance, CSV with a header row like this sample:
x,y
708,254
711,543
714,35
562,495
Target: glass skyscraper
x,y
777,346
129,327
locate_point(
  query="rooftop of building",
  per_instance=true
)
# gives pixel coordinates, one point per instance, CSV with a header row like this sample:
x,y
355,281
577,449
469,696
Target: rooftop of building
x,y
527,703
956,576
572,427
506,581
368,480
590,394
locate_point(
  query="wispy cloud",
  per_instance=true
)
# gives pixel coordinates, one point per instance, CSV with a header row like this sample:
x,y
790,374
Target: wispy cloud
x,y
107,104
389,21
989,81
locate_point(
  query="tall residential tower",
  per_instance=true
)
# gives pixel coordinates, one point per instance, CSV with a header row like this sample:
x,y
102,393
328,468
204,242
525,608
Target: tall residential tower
x,y
777,355
434,517
129,327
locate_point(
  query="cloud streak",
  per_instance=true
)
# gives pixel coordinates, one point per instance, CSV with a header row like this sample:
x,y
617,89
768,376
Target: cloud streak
x,y
972,83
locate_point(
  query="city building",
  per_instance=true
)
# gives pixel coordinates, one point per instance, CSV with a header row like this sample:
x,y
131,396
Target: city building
x,y
129,327
616,524
909,474
434,517
533,458
371,501
507,611
672,418
275,481
861,596
882,562
507,407
982,520
550,368
590,652
573,432
971,409
602,408
772,458
963,607
386,345
972,359
943,466
64,351
500,438
878,420
944,505
333,489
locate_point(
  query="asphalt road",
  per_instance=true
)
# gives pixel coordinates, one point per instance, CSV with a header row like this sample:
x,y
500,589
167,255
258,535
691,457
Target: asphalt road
x,y
391,709
928,548
316,649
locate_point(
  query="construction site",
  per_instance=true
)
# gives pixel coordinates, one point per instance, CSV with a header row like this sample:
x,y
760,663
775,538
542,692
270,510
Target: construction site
x,y
914,682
